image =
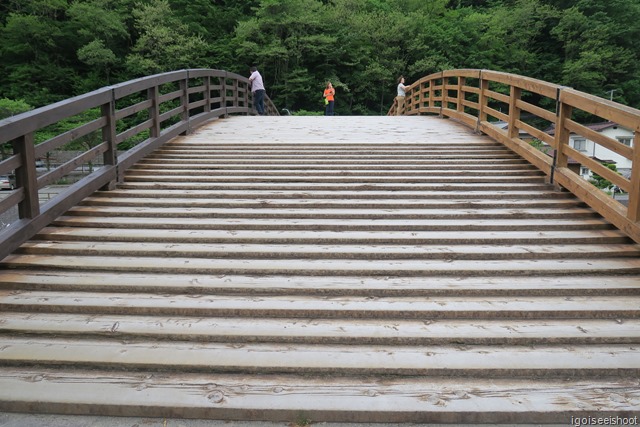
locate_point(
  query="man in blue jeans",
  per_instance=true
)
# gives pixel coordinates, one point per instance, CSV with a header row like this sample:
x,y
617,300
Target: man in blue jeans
x,y
257,88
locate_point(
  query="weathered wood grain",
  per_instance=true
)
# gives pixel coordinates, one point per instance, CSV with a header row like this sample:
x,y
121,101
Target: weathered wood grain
x,y
262,268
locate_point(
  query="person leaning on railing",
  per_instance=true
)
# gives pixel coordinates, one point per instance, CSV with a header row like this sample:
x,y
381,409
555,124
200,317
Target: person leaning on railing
x,y
257,87
400,97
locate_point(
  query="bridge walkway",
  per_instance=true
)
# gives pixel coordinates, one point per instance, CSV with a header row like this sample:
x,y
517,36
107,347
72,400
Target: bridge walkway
x,y
351,269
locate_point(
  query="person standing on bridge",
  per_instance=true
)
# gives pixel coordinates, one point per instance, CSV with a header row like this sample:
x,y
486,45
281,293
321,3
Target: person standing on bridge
x,y
400,97
257,89
329,92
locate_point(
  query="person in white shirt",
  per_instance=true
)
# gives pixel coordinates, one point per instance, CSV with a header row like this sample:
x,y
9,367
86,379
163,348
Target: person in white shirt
x,y
400,97
257,89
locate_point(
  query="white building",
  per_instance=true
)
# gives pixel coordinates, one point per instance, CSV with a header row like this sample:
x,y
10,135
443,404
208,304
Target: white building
x,y
602,154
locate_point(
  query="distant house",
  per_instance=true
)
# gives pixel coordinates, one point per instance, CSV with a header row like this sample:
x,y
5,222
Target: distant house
x,y
599,153
523,135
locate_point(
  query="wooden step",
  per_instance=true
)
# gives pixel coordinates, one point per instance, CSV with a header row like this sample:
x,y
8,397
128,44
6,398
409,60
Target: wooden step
x,y
328,267
497,307
395,273
324,286
448,170
506,188
188,211
442,165
266,358
196,177
168,193
325,252
337,224
326,331
327,398
327,286
149,200
454,237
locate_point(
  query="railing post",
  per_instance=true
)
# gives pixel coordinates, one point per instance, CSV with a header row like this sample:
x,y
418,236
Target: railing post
x,y
461,83
26,177
184,102
247,89
482,102
561,140
223,94
633,210
110,157
514,112
207,94
153,94
443,93
236,98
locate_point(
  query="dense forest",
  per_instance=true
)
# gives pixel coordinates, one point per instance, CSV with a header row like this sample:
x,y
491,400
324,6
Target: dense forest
x,y
54,49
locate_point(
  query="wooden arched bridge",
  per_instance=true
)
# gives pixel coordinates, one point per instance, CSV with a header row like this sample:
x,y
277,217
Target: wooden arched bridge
x,y
427,267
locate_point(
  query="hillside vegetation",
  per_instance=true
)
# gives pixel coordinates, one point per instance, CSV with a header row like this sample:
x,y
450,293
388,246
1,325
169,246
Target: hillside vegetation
x,y
54,49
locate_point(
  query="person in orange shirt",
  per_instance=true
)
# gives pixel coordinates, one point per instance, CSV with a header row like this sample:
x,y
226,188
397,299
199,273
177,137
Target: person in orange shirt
x,y
329,92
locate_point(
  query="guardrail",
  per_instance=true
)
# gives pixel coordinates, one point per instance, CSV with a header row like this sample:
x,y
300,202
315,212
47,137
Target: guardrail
x,y
155,108
473,97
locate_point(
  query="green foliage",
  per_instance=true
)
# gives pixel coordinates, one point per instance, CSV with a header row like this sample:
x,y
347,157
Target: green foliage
x,y
9,107
54,49
599,181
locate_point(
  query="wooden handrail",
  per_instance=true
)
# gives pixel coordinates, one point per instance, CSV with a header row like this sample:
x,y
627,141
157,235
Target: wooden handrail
x,y
172,103
482,98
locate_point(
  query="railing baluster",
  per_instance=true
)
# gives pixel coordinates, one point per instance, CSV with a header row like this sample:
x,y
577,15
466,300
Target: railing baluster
x,y
514,112
223,94
633,210
184,103
154,111
562,135
26,177
482,101
461,83
109,135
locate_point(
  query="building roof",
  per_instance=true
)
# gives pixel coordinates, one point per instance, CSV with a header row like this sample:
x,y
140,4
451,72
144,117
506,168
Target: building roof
x,y
598,127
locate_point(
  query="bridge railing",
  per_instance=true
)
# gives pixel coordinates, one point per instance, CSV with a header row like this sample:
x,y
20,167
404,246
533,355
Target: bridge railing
x,y
116,126
507,106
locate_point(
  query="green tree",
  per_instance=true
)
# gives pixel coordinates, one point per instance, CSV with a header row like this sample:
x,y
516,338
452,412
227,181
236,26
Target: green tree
x,y
601,182
164,43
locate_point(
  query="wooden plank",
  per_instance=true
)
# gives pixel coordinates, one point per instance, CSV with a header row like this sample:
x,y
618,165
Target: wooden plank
x,y
336,225
72,135
30,121
542,136
450,193
337,252
608,143
541,87
310,306
549,116
314,267
133,109
606,206
598,168
453,237
73,164
188,211
441,170
495,113
118,198
370,286
608,110
283,398
363,188
480,361
133,177
327,331
125,89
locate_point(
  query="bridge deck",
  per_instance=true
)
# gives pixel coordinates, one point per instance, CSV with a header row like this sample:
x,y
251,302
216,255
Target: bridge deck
x,y
384,269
